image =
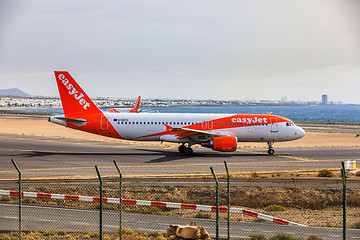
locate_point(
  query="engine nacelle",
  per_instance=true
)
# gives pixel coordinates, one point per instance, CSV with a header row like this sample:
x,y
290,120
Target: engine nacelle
x,y
222,144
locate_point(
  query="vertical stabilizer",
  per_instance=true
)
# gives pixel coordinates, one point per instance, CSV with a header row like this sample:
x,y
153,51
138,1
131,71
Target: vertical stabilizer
x,y
75,101
137,106
80,112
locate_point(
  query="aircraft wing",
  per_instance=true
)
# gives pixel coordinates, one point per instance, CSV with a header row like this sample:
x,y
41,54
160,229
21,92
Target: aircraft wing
x,y
194,133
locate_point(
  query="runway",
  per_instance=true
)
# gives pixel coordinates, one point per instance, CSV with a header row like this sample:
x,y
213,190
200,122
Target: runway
x,y
45,157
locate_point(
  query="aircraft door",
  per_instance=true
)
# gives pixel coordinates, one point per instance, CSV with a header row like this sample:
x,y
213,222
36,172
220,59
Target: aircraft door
x,y
104,123
204,124
274,128
210,124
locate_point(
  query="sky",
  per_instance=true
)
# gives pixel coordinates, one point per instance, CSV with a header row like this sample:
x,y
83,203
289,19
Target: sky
x,y
199,49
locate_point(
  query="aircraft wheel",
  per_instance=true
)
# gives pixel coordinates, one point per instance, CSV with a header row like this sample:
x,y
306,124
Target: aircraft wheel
x,y
182,149
189,151
271,151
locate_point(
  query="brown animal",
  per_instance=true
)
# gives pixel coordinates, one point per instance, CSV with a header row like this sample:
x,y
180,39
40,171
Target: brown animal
x,y
171,232
188,232
191,231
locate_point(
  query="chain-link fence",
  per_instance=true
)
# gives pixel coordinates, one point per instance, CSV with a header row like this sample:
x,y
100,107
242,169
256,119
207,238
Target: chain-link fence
x,y
260,204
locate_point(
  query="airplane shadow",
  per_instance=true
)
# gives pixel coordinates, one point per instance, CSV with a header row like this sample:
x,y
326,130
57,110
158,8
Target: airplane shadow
x,y
161,156
173,156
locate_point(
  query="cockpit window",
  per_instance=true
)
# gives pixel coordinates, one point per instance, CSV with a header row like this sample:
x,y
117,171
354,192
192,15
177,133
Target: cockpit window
x,y
289,124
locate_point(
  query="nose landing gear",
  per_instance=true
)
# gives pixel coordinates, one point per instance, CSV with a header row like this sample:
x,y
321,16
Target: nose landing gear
x,y
186,150
271,150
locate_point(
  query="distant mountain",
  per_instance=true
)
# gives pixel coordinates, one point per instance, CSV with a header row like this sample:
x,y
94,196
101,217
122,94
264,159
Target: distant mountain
x,y
13,92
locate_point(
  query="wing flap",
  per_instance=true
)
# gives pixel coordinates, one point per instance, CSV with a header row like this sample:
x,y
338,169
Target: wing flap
x,y
194,133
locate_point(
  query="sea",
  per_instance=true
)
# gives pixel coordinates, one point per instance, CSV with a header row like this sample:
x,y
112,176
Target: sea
x,y
329,114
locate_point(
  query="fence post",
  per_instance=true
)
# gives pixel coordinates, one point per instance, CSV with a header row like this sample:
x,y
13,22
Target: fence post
x,y
120,200
228,200
20,197
217,203
101,200
343,175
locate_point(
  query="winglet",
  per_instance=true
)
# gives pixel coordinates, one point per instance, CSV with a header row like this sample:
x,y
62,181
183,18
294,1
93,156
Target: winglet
x,y
168,128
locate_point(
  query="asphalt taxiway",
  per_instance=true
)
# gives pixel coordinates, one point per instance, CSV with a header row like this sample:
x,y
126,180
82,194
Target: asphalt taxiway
x,y
45,156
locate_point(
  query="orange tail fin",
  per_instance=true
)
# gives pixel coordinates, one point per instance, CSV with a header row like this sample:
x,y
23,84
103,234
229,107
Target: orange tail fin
x,y
74,100
80,112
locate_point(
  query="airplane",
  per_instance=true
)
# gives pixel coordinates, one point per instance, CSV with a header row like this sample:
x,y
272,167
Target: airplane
x,y
135,109
220,132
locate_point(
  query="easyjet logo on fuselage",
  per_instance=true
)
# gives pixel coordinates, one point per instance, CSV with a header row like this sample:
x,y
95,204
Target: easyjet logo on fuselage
x,y
250,120
74,92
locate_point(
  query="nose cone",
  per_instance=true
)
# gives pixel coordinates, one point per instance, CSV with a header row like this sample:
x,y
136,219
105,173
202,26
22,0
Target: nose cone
x,y
299,132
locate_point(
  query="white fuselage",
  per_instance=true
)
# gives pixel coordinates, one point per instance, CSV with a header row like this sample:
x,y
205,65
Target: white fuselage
x,y
139,126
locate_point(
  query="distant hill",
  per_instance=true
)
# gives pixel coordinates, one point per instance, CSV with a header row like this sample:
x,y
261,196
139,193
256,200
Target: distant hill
x,y
13,92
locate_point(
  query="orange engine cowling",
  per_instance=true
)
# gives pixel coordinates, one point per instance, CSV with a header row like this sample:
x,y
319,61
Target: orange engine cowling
x,y
222,144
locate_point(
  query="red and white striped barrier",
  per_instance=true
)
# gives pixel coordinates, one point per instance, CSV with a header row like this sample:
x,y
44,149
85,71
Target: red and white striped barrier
x,y
149,203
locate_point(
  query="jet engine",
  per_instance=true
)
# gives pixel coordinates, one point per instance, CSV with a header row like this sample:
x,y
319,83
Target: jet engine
x,y
222,144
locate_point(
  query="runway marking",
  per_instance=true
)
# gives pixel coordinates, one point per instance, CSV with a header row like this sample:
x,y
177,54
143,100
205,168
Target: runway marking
x,y
297,158
282,156
9,217
249,151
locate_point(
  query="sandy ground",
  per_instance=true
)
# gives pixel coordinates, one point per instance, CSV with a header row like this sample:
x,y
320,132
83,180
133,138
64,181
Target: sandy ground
x,y
41,127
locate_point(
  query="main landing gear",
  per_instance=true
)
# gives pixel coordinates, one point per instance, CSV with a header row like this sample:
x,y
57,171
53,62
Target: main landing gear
x,y
186,150
271,150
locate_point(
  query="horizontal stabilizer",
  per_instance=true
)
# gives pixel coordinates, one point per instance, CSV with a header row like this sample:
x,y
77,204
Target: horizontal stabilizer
x,y
61,119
